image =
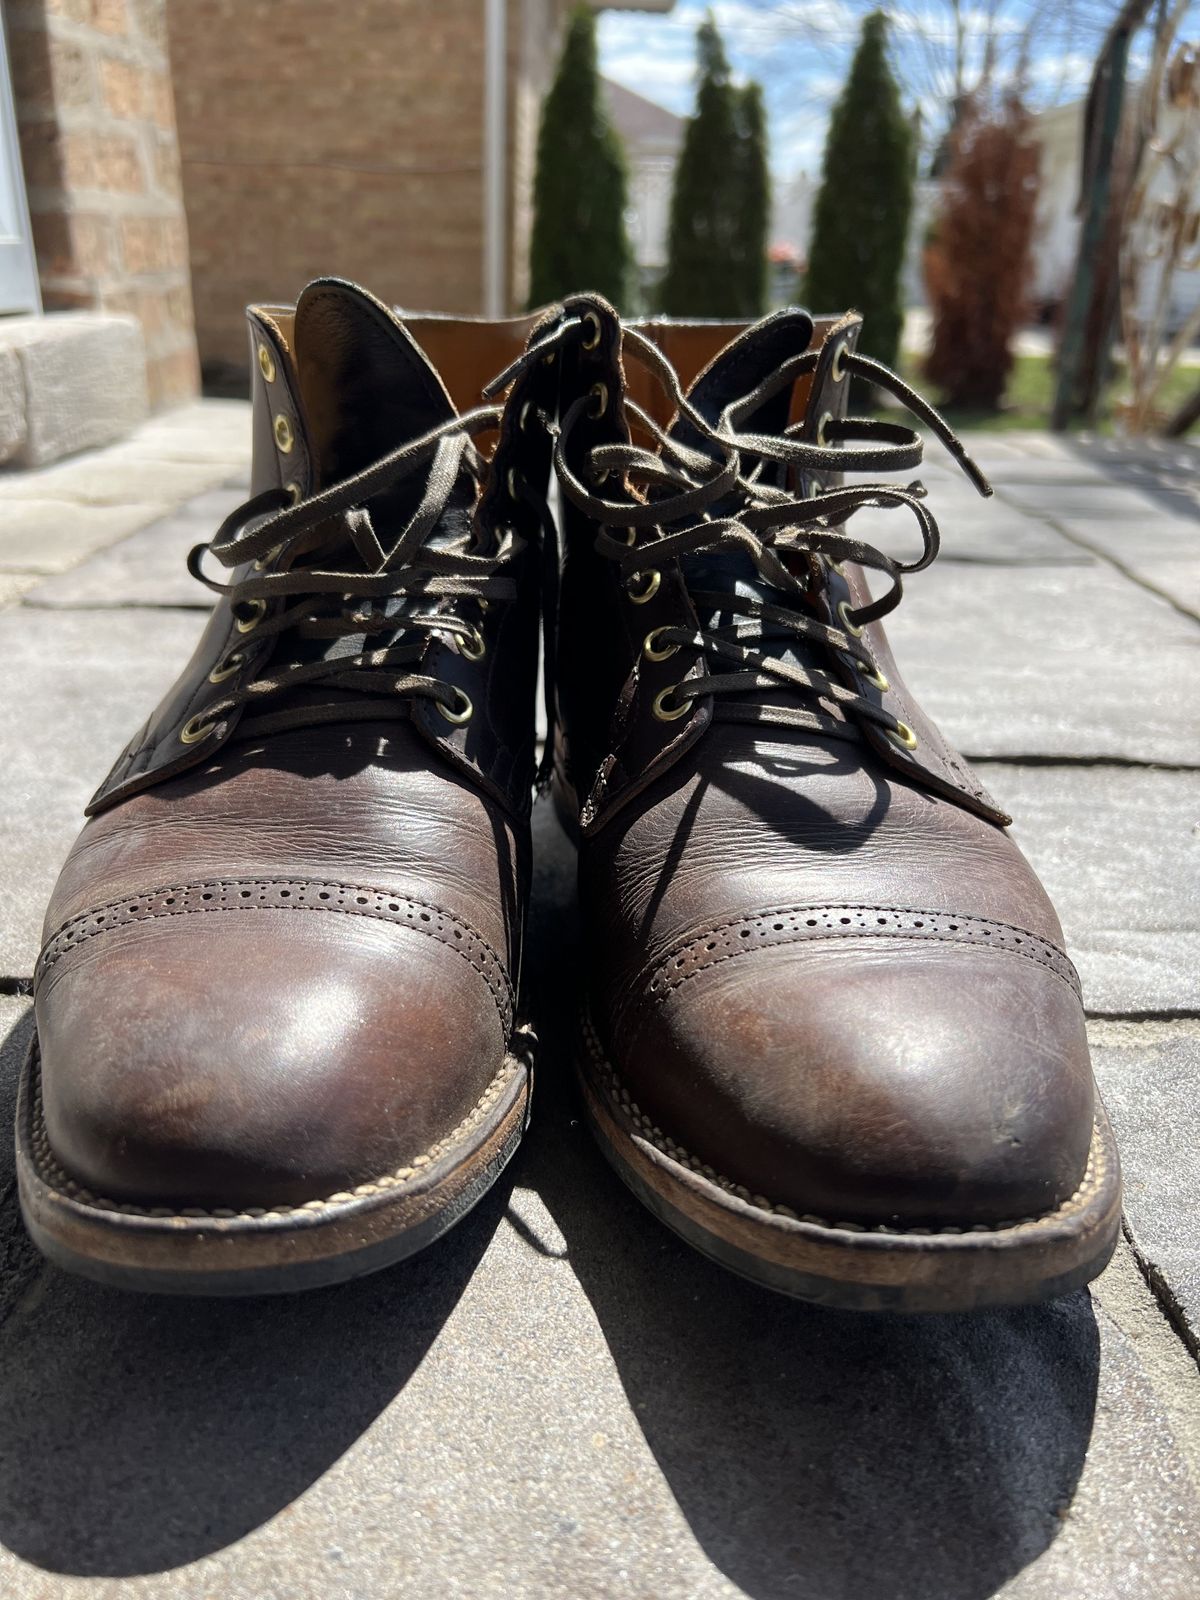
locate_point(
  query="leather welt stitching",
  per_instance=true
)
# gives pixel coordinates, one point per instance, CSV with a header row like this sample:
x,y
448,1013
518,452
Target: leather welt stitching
x,y
624,1105
60,1183
847,921
276,895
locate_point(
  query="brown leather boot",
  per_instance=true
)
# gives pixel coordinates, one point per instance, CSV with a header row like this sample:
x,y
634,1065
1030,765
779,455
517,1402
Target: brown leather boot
x,y
833,1039
278,1039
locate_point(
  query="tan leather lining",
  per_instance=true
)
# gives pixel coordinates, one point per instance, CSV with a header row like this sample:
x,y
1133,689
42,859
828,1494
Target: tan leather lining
x,y
465,352
468,352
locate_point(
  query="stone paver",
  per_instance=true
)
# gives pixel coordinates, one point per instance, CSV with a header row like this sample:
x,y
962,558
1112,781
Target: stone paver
x,y
1075,662
1166,470
82,382
1094,499
1163,554
14,584
88,680
972,530
53,518
1119,851
560,1399
149,568
99,480
53,535
1150,1078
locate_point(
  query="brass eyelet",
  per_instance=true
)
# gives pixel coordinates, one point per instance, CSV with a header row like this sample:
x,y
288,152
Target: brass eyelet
x,y
826,419
672,714
874,676
195,729
284,437
465,708
474,647
852,628
597,401
227,667
292,490
591,320
248,624
510,483
265,561
523,416
903,736
266,363
653,578
837,367
653,652
631,537
836,566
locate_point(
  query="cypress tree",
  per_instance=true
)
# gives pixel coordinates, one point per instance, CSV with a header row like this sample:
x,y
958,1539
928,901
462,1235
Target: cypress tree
x,y
579,240
717,236
860,223
754,202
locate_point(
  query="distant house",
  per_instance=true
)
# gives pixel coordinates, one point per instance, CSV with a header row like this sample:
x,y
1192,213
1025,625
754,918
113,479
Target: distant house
x,y
1059,132
652,136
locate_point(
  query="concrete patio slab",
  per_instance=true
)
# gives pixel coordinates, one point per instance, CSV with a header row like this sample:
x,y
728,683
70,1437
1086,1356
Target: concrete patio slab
x,y
39,536
1074,662
1163,554
1119,854
80,684
972,530
99,480
561,1399
14,584
1150,1076
1095,498
149,568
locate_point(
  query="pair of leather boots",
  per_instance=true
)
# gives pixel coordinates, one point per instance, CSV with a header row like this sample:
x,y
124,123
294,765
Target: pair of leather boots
x,y
830,1035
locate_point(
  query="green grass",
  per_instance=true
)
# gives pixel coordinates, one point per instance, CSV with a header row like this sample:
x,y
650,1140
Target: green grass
x,y
1030,396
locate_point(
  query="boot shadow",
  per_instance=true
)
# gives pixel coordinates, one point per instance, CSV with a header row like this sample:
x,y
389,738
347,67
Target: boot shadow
x,y
812,1452
141,1432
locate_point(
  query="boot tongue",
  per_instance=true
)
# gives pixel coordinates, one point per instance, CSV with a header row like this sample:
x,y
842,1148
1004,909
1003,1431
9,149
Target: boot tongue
x,y
366,388
365,385
745,363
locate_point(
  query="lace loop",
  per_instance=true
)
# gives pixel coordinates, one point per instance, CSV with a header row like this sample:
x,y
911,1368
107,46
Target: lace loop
x,y
372,621
725,490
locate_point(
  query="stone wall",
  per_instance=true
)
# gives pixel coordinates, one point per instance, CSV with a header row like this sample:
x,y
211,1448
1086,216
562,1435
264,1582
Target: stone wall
x,y
347,139
96,119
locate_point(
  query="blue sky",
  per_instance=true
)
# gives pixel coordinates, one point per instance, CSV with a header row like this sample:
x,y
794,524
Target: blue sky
x,y
799,51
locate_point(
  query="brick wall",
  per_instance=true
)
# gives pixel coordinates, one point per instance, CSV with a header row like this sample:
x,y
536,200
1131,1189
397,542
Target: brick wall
x,y
536,31
96,120
326,137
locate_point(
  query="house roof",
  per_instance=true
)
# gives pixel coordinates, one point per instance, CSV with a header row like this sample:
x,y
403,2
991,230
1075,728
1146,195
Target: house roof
x,y
643,124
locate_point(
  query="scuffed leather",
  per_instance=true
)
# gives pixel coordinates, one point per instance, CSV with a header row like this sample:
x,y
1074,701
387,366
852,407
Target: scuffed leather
x,y
822,968
609,743
285,965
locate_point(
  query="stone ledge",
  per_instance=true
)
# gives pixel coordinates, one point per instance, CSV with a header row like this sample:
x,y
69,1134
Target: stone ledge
x,y
68,381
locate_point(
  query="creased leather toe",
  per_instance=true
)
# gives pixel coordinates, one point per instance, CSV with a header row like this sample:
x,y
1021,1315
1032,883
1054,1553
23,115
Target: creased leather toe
x,y
174,1076
930,1087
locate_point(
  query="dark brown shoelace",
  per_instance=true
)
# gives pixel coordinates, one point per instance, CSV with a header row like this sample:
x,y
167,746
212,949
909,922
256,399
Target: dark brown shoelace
x,y
398,596
760,495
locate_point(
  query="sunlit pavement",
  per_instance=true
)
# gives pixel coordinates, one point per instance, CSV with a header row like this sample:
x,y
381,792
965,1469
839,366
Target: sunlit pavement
x,y
560,1399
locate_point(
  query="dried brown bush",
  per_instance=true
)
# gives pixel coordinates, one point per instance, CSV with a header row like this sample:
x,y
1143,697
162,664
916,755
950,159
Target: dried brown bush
x,y
978,259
